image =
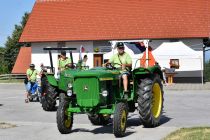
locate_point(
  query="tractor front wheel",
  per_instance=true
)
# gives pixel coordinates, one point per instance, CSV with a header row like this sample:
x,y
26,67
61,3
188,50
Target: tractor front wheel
x,y
150,101
64,118
120,119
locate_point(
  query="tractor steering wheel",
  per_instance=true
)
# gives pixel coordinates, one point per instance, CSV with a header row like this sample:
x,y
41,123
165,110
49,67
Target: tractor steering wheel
x,y
73,65
110,66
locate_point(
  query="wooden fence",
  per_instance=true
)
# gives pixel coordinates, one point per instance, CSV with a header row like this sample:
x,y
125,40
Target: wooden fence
x,y
12,76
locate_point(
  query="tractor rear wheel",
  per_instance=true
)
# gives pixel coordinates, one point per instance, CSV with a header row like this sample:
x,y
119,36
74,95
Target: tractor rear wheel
x,y
62,97
99,119
150,101
49,95
64,118
120,119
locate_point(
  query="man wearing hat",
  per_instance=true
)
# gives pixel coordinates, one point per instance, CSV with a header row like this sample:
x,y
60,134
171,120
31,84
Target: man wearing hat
x,y
31,74
63,62
122,61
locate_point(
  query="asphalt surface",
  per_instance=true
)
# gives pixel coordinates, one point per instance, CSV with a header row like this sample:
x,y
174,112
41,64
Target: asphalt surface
x,y
183,108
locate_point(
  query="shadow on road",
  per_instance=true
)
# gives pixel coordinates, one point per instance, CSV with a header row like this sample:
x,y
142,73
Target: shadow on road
x,y
132,122
1,104
101,130
54,109
164,119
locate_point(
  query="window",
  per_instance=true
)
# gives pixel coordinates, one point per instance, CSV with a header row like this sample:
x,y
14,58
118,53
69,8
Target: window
x,y
174,63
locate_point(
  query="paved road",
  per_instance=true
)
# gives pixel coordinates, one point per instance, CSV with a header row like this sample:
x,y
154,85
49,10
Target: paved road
x,y
181,109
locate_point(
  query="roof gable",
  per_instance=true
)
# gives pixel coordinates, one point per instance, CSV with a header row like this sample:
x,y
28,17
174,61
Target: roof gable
x,y
23,60
70,20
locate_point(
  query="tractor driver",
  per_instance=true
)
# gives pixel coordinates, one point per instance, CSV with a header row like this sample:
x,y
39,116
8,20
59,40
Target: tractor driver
x,y
123,61
63,62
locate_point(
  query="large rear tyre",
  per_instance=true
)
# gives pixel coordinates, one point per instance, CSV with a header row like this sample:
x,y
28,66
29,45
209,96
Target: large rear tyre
x,y
150,101
64,118
120,119
49,95
99,119
48,105
62,97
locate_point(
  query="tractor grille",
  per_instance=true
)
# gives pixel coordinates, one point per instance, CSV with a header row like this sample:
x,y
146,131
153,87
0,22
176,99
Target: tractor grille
x,y
87,91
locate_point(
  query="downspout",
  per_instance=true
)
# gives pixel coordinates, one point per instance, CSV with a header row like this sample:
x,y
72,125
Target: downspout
x,y
204,57
146,43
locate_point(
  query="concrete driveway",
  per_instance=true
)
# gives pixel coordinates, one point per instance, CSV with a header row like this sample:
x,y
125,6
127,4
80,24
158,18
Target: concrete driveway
x,y
183,108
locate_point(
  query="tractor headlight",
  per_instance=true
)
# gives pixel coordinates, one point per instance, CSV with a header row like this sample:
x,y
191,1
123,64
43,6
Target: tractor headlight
x,y
69,85
104,93
69,92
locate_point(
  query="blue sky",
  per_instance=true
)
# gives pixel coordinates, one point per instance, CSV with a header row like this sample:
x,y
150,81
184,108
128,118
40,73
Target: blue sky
x,y
11,12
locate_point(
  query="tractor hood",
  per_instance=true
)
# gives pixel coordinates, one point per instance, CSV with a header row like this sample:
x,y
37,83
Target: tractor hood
x,y
100,72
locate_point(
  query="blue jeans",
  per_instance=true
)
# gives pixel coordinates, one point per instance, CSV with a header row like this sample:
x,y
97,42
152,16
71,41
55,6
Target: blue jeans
x,y
31,87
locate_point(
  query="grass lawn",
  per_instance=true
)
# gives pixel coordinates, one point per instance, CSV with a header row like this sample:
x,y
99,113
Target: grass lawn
x,y
195,133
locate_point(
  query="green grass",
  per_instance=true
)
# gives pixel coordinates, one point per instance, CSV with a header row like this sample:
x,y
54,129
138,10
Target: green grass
x,y
195,133
12,81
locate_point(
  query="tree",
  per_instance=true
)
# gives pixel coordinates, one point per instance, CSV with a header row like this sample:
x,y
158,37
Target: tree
x,y
12,45
207,71
2,64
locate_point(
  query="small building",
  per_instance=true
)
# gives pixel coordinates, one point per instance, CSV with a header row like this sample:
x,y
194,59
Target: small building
x,y
23,61
173,27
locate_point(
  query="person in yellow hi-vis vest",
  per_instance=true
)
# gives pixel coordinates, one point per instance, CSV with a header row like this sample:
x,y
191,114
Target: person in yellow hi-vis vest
x,y
122,61
30,81
63,62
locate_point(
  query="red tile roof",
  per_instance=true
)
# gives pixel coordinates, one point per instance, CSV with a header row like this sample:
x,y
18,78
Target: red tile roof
x,y
71,20
23,61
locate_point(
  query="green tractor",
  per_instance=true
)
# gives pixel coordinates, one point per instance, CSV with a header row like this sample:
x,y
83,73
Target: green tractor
x,y
98,92
50,86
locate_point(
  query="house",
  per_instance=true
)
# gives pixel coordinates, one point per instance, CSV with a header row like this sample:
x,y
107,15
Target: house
x,y
23,61
92,24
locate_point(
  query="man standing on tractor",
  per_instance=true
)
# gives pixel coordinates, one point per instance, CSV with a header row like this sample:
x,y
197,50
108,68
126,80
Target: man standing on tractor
x,y
63,62
123,61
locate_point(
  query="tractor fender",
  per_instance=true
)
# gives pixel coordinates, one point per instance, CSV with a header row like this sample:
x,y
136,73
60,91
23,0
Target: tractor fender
x,y
150,70
157,71
51,79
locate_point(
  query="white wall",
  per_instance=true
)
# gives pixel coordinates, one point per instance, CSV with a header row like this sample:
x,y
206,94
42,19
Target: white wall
x,y
186,63
40,56
189,53
88,51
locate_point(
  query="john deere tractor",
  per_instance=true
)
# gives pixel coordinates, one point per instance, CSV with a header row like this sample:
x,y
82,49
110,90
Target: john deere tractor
x,y
98,92
50,86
